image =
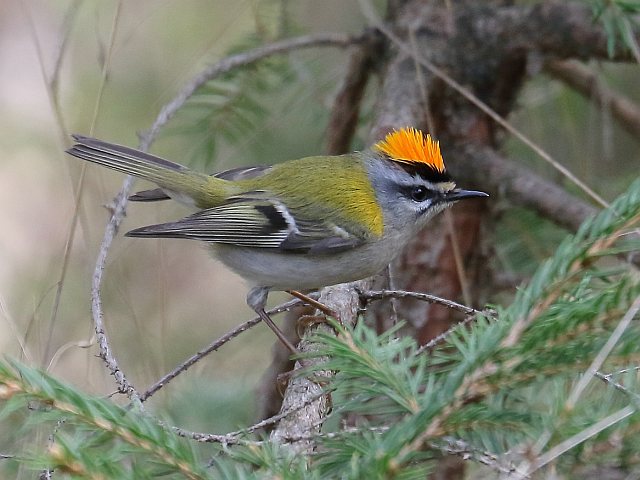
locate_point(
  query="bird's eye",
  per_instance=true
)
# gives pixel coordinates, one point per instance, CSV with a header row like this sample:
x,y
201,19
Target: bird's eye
x,y
420,193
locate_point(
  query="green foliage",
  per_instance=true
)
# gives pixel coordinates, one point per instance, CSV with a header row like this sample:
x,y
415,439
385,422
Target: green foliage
x,y
95,437
617,18
232,106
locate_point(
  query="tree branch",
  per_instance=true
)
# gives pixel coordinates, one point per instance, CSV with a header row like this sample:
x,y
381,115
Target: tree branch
x,y
346,105
241,60
585,81
370,295
304,396
118,212
566,29
213,346
499,176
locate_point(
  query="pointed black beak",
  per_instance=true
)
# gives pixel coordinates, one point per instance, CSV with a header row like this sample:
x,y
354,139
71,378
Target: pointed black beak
x,y
458,194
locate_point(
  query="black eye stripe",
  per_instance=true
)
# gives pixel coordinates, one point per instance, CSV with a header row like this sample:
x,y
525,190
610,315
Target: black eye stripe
x,y
419,193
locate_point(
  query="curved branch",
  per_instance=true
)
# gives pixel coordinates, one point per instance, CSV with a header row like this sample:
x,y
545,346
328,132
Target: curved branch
x,y
240,60
120,201
585,81
118,211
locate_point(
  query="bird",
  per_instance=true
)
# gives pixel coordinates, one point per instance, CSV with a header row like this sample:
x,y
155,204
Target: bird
x,y
300,224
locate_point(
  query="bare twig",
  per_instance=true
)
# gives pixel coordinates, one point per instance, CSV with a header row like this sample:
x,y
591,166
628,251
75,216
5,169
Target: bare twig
x,y
240,60
607,378
225,440
371,295
118,209
454,446
603,353
234,438
584,80
444,335
279,416
213,346
520,185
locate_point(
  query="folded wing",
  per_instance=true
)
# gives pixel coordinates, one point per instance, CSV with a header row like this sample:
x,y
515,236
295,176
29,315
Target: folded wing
x,y
256,223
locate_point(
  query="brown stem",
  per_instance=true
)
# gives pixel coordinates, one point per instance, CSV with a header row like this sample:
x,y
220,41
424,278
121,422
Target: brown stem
x,y
585,81
346,105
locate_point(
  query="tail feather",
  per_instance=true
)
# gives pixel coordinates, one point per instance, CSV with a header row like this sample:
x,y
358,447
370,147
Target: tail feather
x,y
174,179
124,159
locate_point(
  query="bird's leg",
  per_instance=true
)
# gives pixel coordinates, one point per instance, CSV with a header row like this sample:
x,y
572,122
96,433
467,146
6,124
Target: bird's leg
x,y
314,303
257,299
306,321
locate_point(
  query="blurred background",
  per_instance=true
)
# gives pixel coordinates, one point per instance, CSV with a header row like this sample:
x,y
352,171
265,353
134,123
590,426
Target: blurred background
x,y
165,300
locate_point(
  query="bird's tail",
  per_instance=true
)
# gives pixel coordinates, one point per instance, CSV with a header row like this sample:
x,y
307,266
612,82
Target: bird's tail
x,y
176,180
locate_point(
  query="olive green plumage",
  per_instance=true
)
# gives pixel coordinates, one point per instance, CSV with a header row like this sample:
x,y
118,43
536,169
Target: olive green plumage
x,y
303,223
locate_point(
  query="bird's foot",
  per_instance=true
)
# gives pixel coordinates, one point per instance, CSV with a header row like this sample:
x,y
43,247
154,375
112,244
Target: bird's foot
x,y
315,304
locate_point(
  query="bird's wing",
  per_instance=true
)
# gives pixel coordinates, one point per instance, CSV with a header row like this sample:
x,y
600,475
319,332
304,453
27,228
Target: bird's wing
x,y
259,223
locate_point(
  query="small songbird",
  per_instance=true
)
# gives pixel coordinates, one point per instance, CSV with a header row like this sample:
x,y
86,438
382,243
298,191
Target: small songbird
x,y
301,224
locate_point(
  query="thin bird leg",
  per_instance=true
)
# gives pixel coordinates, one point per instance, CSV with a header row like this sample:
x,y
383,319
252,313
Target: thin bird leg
x,y
264,316
257,299
314,303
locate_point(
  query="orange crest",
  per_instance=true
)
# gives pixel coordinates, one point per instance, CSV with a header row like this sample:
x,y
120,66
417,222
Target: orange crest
x,y
410,145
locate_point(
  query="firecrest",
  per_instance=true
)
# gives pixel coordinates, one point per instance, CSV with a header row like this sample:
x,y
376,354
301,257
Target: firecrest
x,y
301,224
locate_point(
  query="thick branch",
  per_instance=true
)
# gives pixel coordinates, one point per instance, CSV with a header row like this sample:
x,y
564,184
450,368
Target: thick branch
x,y
567,29
584,80
557,28
498,176
346,105
303,395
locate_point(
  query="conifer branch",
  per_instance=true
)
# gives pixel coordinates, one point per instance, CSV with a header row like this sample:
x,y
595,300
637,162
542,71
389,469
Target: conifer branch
x,y
552,279
68,453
